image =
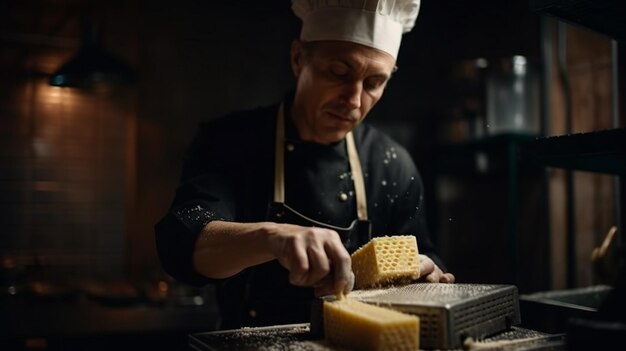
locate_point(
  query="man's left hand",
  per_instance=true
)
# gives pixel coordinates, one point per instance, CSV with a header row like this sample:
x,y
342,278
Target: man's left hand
x,y
431,273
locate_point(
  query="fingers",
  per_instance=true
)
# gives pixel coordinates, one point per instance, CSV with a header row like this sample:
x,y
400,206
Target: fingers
x,y
318,268
427,266
431,273
339,279
297,263
320,265
343,277
350,284
328,286
325,287
437,276
447,278
316,257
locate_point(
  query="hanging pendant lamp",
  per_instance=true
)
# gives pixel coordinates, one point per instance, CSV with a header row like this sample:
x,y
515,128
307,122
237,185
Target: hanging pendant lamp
x,y
92,66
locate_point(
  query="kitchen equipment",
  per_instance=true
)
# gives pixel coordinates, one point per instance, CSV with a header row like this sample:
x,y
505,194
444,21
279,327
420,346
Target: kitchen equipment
x,y
550,311
297,337
449,313
466,116
512,97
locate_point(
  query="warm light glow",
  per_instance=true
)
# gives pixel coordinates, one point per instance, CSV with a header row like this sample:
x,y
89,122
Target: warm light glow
x,y
52,186
56,95
163,287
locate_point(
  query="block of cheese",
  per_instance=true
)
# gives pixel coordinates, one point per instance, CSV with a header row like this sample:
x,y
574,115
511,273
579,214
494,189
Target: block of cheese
x,y
361,326
386,260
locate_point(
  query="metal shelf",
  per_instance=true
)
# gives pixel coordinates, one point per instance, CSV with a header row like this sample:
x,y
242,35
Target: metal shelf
x,y
601,151
489,156
603,16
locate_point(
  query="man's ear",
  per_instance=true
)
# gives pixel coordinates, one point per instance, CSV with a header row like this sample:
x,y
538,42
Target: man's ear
x,y
297,59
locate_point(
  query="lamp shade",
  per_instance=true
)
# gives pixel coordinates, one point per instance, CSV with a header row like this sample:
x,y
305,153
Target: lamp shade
x,y
92,65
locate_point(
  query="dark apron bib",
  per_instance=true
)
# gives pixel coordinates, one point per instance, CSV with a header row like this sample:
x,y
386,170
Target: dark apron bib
x,y
269,298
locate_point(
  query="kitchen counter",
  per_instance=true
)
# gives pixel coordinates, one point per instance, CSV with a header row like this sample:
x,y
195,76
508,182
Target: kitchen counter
x,y
84,324
297,337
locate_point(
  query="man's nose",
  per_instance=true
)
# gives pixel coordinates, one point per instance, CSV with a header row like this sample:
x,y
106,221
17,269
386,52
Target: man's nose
x,y
352,94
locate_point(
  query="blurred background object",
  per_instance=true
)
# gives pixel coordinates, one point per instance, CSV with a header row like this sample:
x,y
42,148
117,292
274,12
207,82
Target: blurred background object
x,y
513,97
92,66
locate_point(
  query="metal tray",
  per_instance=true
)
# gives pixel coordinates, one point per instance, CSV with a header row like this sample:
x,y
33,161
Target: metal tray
x,y
550,311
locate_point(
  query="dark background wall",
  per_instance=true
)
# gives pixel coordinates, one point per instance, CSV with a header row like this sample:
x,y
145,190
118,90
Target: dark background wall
x,y
196,61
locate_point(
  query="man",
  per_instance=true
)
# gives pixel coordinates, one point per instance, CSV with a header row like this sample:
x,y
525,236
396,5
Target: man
x,y
273,201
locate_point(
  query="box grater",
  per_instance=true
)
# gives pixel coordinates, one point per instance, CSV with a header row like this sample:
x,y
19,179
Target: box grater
x,y
449,313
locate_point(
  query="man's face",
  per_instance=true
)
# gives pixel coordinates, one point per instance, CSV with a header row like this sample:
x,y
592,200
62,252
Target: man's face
x,y
338,83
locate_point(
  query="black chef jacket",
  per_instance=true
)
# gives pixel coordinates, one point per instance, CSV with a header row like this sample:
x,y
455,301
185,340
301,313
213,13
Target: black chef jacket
x,y
228,174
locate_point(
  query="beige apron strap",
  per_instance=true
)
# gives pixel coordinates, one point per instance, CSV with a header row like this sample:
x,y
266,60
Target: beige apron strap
x,y
357,177
353,158
279,157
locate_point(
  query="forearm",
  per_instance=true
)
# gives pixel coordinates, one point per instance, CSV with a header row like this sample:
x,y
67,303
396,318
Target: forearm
x,y
223,249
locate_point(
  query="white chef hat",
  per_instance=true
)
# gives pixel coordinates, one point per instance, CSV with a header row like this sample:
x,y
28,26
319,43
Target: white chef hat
x,y
374,23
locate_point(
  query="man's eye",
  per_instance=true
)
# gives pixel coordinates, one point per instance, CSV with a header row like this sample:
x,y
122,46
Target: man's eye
x,y
339,72
372,84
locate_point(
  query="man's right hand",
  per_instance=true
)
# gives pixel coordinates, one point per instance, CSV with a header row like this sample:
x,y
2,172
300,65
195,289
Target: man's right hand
x,y
315,257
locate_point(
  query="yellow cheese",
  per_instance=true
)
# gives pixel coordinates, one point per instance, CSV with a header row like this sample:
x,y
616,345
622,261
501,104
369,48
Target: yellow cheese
x,y
360,326
386,260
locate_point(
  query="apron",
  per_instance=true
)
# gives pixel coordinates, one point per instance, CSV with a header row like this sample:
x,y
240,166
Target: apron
x,y
269,298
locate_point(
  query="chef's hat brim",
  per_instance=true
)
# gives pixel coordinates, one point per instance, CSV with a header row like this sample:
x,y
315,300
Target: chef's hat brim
x,y
375,23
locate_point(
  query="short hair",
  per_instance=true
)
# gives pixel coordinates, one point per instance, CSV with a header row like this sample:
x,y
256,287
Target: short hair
x,y
308,47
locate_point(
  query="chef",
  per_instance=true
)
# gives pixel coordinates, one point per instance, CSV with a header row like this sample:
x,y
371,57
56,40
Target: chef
x,y
272,201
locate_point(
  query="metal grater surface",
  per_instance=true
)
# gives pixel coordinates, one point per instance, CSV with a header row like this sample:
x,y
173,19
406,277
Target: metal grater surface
x,y
297,337
449,313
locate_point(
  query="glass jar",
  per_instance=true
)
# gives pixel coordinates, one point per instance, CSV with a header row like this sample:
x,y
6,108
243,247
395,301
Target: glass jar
x,y
513,97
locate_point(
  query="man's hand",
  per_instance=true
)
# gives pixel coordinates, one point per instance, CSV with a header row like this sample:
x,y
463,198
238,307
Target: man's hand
x,y
431,273
315,257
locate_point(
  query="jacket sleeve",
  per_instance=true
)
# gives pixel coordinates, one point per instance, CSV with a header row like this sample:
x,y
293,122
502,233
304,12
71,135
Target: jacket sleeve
x,y
175,243
205,193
